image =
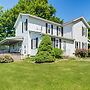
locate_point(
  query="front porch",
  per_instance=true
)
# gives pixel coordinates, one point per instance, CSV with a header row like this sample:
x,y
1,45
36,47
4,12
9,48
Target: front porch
x,y
12,46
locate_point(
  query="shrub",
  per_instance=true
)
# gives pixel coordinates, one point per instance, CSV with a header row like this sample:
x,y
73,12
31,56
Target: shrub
x,y
81,53
57,53
6,59
88,52
44,56
44,51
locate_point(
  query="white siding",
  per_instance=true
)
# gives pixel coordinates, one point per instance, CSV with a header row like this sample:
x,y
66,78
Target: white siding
x,y
69,48
77,32
67,30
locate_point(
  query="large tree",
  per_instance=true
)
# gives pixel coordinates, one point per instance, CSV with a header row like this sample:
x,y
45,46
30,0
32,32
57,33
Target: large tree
x,y
34,7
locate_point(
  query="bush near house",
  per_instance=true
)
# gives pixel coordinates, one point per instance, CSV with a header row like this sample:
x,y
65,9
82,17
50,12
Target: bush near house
x,y
88,52
57,53
45,51
6,59
81,53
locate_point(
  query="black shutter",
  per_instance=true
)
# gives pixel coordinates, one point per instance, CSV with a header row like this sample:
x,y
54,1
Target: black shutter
x,y
61,31
51,29
32,44
57,30
46,27
22,27
60,43
36,42
26,24
82,31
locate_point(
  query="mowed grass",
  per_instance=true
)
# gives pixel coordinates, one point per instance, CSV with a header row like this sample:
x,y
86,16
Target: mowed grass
x,y
64,75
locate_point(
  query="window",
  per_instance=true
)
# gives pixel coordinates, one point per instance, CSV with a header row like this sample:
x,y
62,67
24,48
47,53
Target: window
x,y
49,28
64,46
13,46
34,43
76,44
82,45
84,31
57,43
79,45
59,30
86,46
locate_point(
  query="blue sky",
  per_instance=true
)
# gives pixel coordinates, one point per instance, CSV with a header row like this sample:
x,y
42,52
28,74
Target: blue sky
x,y
66,9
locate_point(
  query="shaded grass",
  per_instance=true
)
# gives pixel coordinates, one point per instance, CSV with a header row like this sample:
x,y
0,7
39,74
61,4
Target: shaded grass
x,y
64,75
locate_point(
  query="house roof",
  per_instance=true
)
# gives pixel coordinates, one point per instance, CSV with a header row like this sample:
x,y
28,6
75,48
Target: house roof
x,y
21,14
11,40
77,20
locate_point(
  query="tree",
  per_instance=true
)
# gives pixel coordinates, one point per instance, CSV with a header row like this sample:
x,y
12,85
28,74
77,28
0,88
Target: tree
x,y
45,50
33,7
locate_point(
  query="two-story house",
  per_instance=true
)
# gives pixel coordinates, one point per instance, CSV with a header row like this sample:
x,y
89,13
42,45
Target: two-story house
x,y
30,29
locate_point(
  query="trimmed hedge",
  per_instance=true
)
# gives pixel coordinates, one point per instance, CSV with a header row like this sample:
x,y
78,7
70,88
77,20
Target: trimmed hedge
x,y
6,59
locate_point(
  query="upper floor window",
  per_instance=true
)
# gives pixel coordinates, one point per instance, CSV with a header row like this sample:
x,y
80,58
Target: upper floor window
x,y
49,28
84,31
58,31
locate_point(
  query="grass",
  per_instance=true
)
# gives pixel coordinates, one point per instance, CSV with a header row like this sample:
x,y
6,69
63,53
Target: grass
x,y
64,75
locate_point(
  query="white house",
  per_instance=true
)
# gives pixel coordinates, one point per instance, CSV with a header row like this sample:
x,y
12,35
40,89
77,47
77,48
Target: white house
x,y
30,29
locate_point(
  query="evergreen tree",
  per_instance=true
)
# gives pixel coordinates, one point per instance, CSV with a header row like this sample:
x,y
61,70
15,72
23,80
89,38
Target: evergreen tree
x,y
45,50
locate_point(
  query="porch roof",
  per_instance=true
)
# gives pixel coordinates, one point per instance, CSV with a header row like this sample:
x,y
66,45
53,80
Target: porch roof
x,y
11,40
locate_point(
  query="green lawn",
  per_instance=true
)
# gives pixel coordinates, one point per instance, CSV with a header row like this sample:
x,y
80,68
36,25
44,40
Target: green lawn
x,y
64,75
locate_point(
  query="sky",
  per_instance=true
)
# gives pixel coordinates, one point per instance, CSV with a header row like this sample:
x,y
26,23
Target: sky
x,y
66,9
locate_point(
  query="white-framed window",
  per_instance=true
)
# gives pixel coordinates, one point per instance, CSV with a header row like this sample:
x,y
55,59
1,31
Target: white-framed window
x,y
59,31
76,45
84,31
49,28
34,43
56,41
